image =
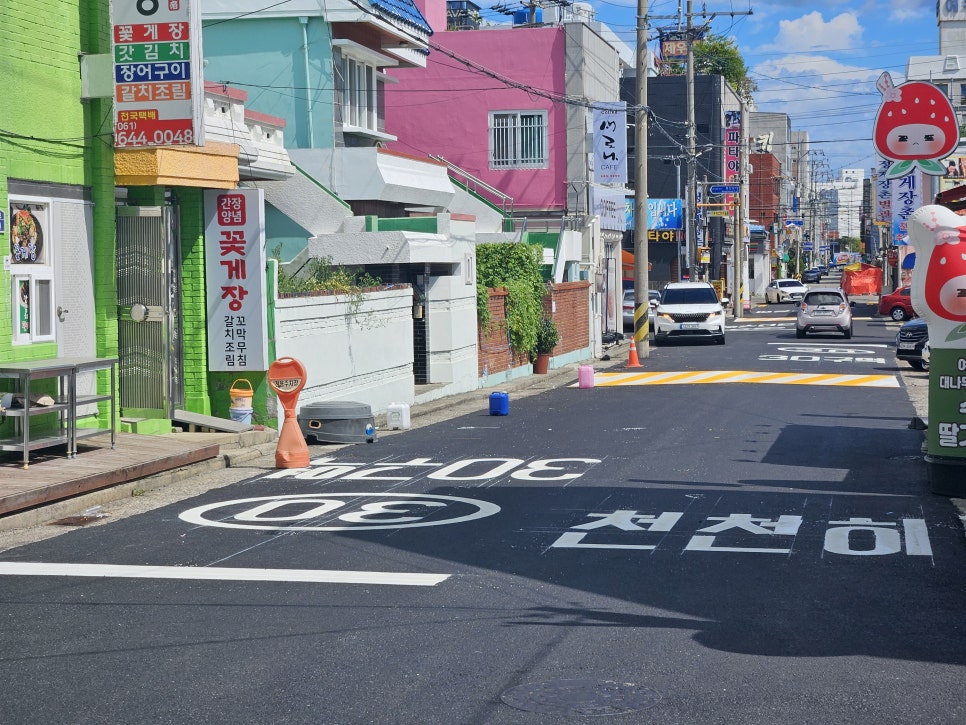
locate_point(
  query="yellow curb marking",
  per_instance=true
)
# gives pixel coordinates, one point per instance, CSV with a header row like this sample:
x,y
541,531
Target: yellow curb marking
x,y
742,376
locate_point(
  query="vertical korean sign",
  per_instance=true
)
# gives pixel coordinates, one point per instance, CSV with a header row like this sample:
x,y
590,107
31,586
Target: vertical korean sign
x,y
158,79
235,279
883,200
906,198
732,162
610,143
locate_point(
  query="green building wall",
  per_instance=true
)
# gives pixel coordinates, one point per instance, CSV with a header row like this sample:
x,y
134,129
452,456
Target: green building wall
x,y
50,135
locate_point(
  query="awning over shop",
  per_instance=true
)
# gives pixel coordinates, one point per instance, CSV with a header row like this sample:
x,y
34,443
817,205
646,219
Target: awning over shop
x,y
212,166
627,264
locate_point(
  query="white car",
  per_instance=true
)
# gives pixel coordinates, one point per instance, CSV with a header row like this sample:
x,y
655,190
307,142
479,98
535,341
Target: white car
x,y
785,290
689,310
628,307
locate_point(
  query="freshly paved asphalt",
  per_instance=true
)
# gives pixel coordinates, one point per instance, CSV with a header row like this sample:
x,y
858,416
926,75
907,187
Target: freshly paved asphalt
x,y
618,554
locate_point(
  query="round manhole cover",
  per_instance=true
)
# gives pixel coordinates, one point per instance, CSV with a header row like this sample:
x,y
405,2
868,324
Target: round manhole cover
x,y
580,697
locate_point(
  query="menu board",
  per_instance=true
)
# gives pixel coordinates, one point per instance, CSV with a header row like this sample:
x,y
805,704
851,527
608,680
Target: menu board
x,y
158,78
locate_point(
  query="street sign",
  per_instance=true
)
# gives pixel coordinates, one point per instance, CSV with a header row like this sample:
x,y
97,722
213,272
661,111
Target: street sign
x,y
794,223
725,189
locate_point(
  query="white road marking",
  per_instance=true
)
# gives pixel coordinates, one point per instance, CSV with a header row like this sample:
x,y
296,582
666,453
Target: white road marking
x,y
840,347
314,576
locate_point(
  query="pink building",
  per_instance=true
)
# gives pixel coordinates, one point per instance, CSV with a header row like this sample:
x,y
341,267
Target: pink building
x,y
491,101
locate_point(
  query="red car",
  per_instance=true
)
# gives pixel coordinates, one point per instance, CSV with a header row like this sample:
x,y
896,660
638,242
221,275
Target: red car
x,y
897,305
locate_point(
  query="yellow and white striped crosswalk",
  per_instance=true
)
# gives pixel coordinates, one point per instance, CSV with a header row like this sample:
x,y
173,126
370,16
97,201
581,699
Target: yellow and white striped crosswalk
x,y
696,377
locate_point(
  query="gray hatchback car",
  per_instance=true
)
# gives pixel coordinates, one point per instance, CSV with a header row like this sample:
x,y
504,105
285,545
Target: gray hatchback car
x,y
824,309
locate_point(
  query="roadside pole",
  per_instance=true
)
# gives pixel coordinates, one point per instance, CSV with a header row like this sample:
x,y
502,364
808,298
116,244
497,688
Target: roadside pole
x,y
740,212
641,297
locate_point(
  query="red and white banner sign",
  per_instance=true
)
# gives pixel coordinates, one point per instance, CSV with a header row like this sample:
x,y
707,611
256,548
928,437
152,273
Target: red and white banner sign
x,y
235,279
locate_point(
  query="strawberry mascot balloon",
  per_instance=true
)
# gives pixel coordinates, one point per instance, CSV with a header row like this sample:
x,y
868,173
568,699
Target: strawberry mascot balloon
x,y
939,278
915,126
939,297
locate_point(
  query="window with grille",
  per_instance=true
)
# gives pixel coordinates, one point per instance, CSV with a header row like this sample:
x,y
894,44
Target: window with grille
x,y
518,140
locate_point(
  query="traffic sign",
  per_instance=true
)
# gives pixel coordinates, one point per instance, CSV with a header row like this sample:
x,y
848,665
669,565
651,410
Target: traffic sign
x,y
725,189
794,223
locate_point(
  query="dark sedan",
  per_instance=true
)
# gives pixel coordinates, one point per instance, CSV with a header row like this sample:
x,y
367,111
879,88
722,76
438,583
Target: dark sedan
x,y
910,340
811,276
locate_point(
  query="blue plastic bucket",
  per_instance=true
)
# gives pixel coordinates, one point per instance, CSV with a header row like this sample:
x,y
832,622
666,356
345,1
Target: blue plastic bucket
x,y
240,415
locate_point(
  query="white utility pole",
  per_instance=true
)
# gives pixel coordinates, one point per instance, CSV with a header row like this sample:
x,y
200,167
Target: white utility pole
x,y
691,234
738,293
641,297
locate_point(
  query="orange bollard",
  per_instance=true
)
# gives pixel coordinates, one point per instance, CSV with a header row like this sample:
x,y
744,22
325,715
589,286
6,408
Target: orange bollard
x,y
286,376
632,361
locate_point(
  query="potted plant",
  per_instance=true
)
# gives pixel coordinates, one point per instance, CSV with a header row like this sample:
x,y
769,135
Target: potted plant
x,y
547,337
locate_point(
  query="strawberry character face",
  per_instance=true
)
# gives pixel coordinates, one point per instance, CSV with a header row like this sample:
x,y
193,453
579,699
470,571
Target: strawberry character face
x,y
916,141
915,125
939,279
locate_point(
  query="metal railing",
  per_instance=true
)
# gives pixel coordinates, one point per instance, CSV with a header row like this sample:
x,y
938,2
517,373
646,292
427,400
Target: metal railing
x,y
478,186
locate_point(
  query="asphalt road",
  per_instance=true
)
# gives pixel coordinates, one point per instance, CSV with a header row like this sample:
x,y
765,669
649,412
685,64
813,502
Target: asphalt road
x,y
651,550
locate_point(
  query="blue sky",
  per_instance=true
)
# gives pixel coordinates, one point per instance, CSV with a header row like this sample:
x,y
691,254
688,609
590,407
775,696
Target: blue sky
x,y
817,61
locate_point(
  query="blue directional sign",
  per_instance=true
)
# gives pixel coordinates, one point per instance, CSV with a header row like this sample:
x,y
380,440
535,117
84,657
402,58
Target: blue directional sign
x,y
794,223
806,246
725,189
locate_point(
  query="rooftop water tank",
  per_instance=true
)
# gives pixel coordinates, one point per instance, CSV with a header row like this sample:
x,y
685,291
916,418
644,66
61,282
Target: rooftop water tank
x,y
522,17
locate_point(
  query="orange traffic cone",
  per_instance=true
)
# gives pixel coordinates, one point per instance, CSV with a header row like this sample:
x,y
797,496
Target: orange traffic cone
x,y
632,361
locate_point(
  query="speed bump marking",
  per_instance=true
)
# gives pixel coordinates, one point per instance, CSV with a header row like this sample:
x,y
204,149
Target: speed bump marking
x,y
742,376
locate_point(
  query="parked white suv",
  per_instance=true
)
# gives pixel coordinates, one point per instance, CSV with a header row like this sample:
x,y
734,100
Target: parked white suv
x,y
689,310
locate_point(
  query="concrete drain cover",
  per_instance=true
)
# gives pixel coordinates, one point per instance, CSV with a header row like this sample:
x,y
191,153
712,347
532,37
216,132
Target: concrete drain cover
x,y
585,698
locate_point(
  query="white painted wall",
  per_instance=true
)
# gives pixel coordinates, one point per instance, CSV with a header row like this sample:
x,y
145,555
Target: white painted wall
x,y
452,334
353,350
361,349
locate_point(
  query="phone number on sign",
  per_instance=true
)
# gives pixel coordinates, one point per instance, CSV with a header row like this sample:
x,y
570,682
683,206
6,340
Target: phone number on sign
x,y
132,133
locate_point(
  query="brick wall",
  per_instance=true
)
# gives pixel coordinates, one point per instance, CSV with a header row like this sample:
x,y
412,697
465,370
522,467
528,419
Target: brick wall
x,y
494,353
568,303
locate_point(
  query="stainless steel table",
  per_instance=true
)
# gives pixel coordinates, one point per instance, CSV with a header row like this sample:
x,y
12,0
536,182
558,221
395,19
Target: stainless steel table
x,y
66,402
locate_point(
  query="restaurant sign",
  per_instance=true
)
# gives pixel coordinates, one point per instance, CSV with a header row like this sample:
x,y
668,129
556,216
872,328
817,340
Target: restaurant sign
x,y
235,279
158,79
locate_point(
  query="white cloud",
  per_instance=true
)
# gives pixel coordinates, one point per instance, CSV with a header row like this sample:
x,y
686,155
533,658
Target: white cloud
x,y
834,101
908,9
811,32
